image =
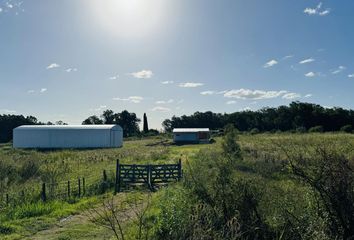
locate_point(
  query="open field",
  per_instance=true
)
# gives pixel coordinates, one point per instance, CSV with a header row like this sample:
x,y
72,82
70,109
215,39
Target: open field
x,y
265,159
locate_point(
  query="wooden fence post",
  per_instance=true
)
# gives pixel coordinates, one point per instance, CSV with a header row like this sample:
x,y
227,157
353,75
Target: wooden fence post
x,y
83,186
104,176
149,177
79,187
179,169
117,183
43,193
68,189
133,178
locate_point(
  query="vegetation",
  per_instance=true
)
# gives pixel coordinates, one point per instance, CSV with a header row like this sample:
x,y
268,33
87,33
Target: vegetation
x,y
128,121
243,186
145,126
284,118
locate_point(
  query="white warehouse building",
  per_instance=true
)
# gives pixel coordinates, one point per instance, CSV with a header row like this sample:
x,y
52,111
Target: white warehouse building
x,y
68,136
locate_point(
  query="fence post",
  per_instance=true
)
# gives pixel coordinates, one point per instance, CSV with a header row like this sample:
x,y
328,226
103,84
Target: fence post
x,y
117,183
43,193
133,178
79,186
179,169
83,187
149,177
104,176
68,189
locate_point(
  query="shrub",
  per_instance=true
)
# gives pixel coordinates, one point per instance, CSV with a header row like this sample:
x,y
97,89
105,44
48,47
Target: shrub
x,y
254,131
229,144
316,129
301,130
29,169
330,176
5,229
347,128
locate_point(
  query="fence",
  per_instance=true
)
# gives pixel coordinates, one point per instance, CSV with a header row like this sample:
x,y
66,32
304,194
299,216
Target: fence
x,y
147,174
123,175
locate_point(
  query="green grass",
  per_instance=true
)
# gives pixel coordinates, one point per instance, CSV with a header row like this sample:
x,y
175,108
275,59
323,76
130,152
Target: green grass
x,y
25,220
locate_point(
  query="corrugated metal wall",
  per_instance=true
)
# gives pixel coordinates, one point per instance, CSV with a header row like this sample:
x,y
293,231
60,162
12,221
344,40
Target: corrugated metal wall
x,y
67,138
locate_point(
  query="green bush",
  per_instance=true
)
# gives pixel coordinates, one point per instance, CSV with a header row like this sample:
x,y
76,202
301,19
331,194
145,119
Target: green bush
x,y
301,130
6,229
254,131
316,129
347,128
229,144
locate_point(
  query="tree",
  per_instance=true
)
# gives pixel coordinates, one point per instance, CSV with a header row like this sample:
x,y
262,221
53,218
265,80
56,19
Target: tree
x,y
108,116
92,120
146,126
9,122
128,121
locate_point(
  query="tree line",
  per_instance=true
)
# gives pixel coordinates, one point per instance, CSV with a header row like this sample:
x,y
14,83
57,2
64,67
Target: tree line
x,y
297,116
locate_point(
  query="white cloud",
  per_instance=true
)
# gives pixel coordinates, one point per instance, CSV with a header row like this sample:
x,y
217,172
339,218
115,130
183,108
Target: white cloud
x,y
7,111
246,109
253,94
190,85
71,70
161,109
0,9
114,77
30,91
271,63
231,102
338,70
132,99
317,10
307,61
290,96
288,56
351,75
164,102
43,90
9,5
143,74
167,82
310,74
308,96
207,93
325,12
53,65
99,109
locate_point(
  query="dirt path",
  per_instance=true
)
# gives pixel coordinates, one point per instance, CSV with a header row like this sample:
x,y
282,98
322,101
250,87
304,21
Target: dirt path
x,y
80,227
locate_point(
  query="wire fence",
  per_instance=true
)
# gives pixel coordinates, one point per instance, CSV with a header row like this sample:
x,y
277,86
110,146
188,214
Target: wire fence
x,y
94,184
73,188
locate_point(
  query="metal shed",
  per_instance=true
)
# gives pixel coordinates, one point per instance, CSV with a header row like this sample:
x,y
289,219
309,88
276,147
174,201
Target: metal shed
x,y
68,136
191,135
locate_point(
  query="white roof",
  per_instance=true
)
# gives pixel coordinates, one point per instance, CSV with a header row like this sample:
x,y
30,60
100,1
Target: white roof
x,y
189,130
73,127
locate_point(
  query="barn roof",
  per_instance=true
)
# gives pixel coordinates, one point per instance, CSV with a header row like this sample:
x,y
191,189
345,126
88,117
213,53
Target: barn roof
x,y
73,127
189,130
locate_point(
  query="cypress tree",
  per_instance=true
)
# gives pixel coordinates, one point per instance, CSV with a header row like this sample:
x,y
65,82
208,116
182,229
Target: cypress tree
x,y
145,126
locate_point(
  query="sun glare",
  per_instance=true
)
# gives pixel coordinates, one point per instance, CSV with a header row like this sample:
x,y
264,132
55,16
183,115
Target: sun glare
x,y
128,18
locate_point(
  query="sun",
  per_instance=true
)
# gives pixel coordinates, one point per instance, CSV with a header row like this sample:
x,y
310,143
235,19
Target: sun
x,y
128,18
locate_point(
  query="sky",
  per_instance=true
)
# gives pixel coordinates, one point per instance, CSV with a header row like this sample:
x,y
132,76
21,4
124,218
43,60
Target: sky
x,y
70,59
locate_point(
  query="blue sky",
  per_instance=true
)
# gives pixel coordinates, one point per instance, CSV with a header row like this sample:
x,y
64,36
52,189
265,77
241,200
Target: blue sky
x,y
69,59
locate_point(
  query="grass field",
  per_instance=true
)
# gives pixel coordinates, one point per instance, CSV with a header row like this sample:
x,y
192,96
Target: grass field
x,y
264,158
